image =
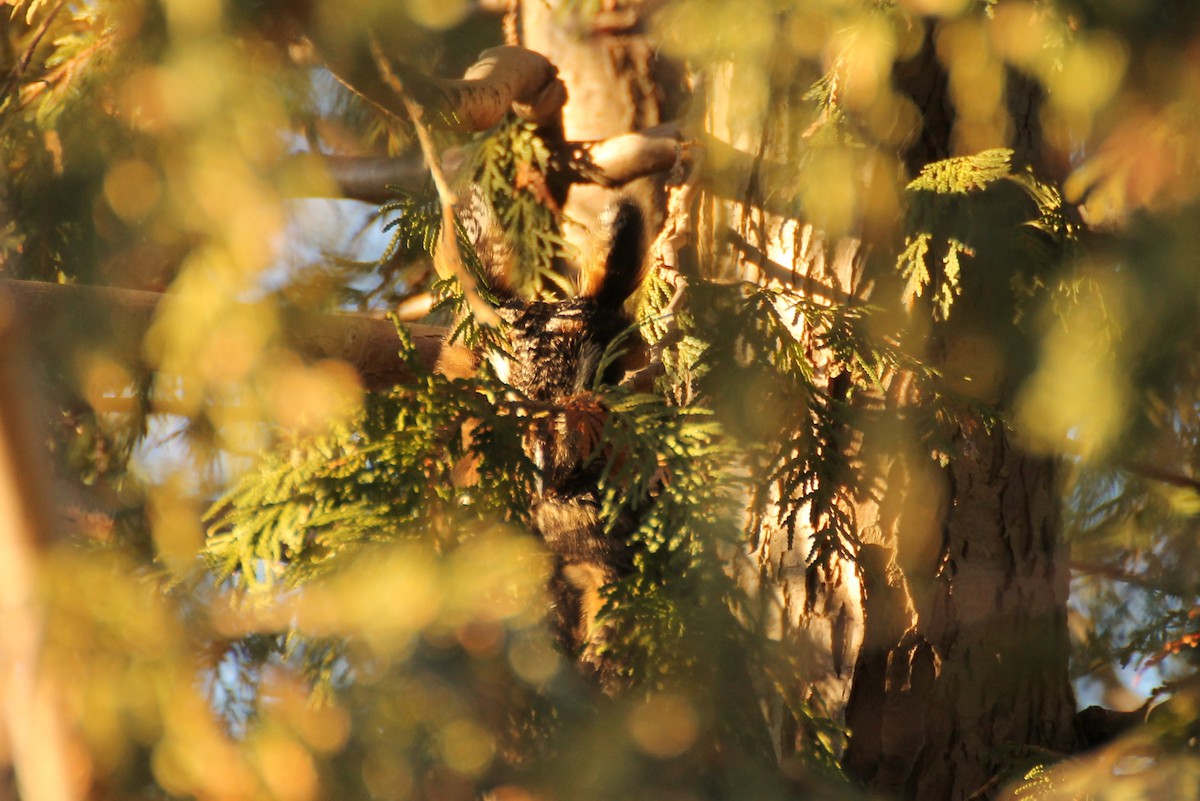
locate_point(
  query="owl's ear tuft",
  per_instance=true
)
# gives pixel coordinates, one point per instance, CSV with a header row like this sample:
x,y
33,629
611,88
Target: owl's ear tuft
x,y
497,256
619,264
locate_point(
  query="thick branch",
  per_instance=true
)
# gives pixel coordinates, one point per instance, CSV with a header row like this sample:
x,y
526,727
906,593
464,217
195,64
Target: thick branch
x,y
620,159
610,162
503,79
41,748
367,344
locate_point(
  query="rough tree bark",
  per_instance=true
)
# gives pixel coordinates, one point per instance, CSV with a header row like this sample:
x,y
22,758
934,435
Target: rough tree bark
x,y
616,85
963,670
946,649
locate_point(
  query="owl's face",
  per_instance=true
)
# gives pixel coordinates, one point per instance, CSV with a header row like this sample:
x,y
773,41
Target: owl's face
x,y
554,347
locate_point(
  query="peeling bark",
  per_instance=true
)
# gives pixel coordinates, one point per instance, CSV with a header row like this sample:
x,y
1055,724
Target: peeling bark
x,y
616,85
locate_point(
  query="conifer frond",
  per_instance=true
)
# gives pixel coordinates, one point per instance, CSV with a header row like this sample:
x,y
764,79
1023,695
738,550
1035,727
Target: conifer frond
x,y
964,174
417,228
794,430
386,475
1036,785
417,225
912,267
510,166
31,8
1002,220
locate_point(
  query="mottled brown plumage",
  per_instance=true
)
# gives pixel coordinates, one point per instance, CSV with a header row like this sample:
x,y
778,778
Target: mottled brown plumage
x,y
554,349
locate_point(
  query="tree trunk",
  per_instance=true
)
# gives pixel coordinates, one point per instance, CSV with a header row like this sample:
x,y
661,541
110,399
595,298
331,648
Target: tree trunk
x,y
962,673
943,645
615,85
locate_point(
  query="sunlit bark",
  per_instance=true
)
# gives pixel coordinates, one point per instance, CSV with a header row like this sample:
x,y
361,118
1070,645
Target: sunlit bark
x,y
943,645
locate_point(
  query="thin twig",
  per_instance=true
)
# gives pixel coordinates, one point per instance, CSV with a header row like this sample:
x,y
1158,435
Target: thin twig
x,y
1162,475
450,255
786,276
1119,574
19,68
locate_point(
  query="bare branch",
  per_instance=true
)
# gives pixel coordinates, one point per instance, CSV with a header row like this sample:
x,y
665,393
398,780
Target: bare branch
x,y
773,270
1163,475
1116,573
609,162
368,178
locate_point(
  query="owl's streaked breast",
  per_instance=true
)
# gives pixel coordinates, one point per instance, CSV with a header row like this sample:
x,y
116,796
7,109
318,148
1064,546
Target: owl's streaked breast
x,y
553,351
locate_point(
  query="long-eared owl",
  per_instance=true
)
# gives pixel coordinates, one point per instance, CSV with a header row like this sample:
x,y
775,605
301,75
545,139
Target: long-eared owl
x,y
554,349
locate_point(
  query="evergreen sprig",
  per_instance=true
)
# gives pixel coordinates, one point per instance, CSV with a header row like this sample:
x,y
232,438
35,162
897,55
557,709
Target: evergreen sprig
x,y
510,168
797,423
389,473
981,209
